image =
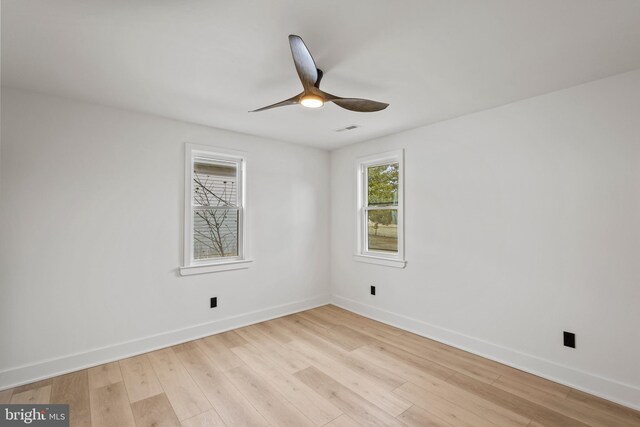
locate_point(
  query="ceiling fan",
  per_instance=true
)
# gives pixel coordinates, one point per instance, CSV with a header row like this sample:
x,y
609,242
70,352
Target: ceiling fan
x,y
310,76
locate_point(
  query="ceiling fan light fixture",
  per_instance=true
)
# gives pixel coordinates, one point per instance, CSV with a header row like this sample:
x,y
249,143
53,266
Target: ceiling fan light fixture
x,y
310,76
311,101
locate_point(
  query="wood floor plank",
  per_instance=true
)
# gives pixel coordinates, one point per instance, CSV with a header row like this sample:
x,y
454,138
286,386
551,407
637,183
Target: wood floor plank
x,y
378,374
277,334
431,384
340,334
343,421
5,396
300,332
31,386
103,375
317,409
347,338
437,389
232,406
450,412
345,316
421,348
214,347
375,373
41,395
139,378
73,389
110,406
605,406
349,402
297,324
295,327
324,323
185,396
306,320
369,390
574,409
401,363
418,417
558,390
154,411
324,317
355,321
282,355
270,403
517,404
206,419
479,406
438,385
447,352
232,339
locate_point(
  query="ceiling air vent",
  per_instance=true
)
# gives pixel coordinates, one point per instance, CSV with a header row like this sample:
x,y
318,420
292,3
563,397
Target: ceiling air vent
x,y
352,127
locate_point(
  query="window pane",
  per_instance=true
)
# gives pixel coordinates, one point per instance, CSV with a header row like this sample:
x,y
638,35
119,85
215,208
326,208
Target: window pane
x,y
214,184
215,233
382,227
382,185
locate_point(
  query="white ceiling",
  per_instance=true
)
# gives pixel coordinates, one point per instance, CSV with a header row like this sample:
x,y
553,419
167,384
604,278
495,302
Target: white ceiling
x,y
210,62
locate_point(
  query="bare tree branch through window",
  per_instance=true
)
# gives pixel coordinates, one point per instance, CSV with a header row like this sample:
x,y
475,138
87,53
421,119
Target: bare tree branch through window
x,y
216,213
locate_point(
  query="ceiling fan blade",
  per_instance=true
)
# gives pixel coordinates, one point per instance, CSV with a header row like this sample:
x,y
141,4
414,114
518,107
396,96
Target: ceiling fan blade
x,y
305,65
357,104
290,101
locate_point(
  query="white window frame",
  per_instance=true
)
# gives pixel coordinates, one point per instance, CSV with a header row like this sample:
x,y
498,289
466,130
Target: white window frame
x,y
362,252
217,155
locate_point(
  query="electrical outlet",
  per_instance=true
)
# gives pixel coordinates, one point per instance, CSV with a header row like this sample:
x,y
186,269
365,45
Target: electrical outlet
x,y
569,339
214,302
373,290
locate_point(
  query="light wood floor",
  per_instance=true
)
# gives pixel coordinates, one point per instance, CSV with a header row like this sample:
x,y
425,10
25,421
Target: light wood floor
x,y
322,367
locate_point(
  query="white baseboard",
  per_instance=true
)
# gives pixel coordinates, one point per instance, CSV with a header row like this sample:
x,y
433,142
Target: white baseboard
x,y
614,391
26,374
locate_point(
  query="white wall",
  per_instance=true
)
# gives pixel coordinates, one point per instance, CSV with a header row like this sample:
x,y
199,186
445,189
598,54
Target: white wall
x,y
91,222
521,222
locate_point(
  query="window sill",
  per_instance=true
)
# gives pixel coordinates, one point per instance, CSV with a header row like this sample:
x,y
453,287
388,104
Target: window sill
x,y
397,263
213,268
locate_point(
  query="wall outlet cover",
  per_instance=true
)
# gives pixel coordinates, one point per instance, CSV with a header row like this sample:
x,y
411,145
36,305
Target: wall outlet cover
x,y
569,339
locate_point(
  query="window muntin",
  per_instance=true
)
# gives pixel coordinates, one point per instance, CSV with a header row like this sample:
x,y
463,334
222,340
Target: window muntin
x,y
214,208
380,212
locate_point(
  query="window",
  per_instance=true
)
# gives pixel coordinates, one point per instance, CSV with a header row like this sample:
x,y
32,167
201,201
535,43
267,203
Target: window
x,y
380,209
214,211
